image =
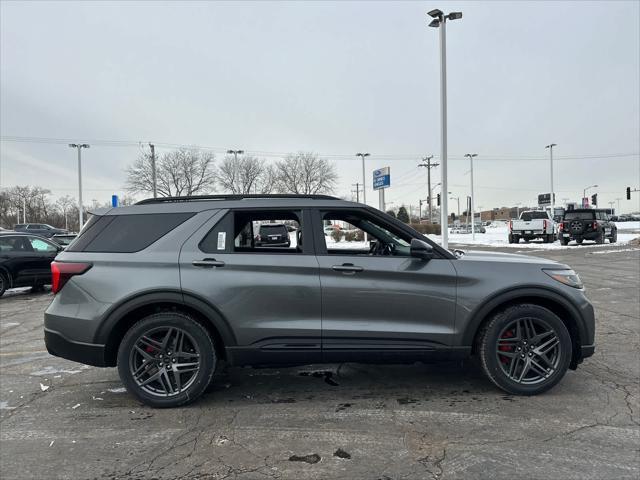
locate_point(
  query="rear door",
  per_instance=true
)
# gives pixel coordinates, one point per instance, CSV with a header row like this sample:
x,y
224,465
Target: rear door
x,y
378,303
268,295
19,259
44,253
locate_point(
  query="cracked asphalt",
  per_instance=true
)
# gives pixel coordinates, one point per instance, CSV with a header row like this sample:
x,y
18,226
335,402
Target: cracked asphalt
x,y
62,420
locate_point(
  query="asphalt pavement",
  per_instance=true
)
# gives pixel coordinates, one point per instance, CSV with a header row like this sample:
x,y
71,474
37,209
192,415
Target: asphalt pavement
x,y
63,420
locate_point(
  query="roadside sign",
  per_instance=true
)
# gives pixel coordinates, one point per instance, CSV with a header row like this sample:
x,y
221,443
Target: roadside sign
x,y
114,201
545,199
381,178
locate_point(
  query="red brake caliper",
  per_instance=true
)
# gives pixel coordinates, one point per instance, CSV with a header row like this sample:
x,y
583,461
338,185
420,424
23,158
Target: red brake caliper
x,y
506,348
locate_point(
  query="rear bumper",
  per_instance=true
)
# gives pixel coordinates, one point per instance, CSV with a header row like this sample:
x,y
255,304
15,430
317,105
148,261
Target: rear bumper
x,y
87,353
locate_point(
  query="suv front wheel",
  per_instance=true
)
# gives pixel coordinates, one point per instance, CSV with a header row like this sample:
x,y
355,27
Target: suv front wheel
x,y
525,349
166,359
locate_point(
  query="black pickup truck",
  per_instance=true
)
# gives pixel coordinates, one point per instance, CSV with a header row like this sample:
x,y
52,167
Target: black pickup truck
x,y
587,224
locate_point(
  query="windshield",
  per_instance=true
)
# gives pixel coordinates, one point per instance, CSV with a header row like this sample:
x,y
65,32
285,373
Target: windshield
x,y
579,216
527,216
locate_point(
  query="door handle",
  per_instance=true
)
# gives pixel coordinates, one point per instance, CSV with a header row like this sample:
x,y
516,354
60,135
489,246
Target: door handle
x,y
347,268
208,263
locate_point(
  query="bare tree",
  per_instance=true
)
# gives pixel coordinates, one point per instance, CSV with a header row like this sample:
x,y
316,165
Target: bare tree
x,y
178,173
66,205
244,175
305,173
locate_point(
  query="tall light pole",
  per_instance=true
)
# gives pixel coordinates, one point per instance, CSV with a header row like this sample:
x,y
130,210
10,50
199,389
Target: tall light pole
x,y
473,211
584,191
458,199
79,146
440,21
553,200
364,180
618,210
153,170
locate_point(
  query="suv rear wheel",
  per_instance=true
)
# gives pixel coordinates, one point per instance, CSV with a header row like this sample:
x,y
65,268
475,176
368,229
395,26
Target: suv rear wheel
x,y
166,359
525,349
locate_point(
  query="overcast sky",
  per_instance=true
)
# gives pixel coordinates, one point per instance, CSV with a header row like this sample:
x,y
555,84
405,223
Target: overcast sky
x,y
334,78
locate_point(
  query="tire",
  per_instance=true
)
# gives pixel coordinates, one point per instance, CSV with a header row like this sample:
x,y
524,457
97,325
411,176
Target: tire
x,y
158,387
516,239
511,239
564,241
4,283
600,238
497,359
579,241
614,237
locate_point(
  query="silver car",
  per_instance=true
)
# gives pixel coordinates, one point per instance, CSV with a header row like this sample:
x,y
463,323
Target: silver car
x,y
168,288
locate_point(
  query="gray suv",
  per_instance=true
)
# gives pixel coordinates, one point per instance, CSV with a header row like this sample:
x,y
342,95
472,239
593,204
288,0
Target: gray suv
x,y
169,288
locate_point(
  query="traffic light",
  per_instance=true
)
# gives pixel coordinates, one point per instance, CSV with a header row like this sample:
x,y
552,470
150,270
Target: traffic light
x,y
628,193
594,199
453,217
438,199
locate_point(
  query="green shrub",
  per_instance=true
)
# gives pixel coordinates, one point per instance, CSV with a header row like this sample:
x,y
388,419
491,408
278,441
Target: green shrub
x,y
426,228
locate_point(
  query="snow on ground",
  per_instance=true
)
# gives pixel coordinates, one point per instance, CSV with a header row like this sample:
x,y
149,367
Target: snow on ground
x,y
498,237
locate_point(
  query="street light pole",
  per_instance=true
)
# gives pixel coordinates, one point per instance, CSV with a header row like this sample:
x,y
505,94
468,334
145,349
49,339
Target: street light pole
x,y
153,169
584,191
458,199
79,146
473,211
440,21
618,210
364,180
553,200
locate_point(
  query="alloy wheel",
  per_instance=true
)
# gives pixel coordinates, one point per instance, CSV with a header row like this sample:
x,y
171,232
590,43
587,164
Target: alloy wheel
x,y
164,361
528,350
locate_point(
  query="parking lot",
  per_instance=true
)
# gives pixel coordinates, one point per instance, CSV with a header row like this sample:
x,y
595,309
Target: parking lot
x,y
60,419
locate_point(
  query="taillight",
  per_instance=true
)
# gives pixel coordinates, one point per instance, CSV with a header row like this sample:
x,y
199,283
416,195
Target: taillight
x,y
61,272
595,225
510,225
545,224
561,226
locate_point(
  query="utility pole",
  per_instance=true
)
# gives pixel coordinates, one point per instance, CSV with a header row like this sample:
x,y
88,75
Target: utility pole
x,y
364,180
153,169
428,165
79,146
24,209
356,191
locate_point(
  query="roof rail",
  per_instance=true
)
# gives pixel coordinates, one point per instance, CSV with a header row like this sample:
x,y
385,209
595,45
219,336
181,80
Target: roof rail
x,y
195,198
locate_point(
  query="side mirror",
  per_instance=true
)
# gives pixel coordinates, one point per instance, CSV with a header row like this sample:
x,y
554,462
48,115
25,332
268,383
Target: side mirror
x,y
421,249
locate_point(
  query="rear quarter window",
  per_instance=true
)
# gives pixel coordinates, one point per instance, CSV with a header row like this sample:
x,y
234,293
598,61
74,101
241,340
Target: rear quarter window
x,y
126,233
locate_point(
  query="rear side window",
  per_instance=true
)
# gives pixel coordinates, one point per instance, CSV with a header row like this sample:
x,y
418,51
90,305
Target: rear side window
x,y
126,233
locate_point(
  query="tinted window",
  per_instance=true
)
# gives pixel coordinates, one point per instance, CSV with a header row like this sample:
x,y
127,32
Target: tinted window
x,y
527,216
126,233
579,216
273,230
15,244
34,226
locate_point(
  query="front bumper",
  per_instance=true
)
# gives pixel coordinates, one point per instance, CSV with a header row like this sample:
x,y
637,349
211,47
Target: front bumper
x,y
87,353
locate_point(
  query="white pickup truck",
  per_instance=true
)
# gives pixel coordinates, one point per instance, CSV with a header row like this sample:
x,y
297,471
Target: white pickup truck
x,y
533,224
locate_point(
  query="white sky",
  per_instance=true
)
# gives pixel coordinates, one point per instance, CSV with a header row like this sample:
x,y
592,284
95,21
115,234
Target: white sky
x,y
334,78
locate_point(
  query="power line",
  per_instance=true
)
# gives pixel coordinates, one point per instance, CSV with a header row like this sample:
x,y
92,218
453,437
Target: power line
x,y
487,157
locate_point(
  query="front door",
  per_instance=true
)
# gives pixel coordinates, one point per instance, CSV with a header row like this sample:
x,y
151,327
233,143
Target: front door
x,y
378,302
269,295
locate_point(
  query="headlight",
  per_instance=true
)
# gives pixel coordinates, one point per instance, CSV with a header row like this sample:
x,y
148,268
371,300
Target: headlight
x,y
568,277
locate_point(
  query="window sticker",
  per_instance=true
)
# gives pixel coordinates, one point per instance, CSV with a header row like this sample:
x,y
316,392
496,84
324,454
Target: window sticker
x,y
222,240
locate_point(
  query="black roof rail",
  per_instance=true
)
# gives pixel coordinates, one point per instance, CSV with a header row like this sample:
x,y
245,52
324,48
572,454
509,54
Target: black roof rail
x,y
195,198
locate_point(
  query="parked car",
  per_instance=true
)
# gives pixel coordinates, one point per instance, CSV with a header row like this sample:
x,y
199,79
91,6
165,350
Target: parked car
x,y
64,239
531,225
40,229
25,261
273,235
587,224
170,287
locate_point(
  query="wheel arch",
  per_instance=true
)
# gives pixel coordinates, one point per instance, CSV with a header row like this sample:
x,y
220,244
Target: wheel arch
x,y
121,317
560,306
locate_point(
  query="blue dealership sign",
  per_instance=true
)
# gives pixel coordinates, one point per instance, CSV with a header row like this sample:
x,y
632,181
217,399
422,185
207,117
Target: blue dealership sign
x,y
381,178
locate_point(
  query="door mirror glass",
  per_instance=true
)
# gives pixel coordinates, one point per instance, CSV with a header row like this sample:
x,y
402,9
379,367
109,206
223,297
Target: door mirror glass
x,y
421,249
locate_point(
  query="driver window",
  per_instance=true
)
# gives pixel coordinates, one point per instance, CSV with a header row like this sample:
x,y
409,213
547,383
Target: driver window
x,y
355,233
